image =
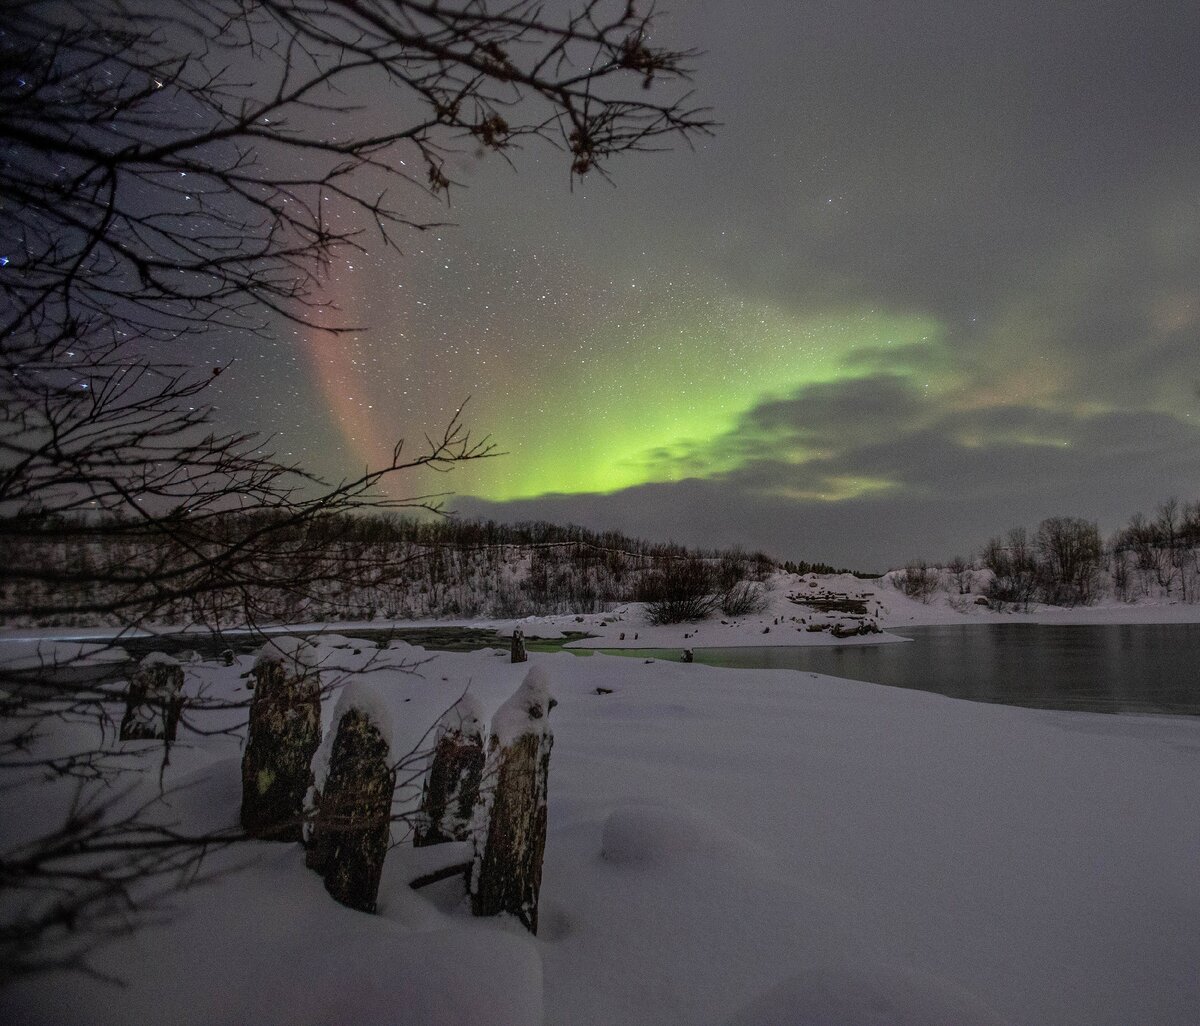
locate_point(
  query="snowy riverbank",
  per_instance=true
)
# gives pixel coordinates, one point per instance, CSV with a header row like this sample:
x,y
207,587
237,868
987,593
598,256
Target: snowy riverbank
x,y
729,847
785,619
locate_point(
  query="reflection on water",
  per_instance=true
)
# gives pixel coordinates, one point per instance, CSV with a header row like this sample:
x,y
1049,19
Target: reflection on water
x,y
1110,668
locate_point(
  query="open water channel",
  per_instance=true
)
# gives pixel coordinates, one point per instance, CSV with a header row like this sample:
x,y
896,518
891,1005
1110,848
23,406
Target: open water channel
x,y
1147,668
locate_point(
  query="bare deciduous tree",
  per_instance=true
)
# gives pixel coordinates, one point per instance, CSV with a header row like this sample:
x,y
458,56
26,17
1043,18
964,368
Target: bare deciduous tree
x,y
1014,569
918,580
1069,553
175,169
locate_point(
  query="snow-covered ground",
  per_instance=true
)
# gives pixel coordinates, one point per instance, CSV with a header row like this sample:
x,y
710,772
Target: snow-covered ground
x,y
786,621
725,847
949,608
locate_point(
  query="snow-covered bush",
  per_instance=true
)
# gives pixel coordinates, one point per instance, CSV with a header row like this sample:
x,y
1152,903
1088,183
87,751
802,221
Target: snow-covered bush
x,y
1069,553
918,580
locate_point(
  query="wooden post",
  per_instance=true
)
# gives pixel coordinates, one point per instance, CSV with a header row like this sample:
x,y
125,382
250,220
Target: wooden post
x,y
352,826
519,655
285,732
452,784
154,700
509,833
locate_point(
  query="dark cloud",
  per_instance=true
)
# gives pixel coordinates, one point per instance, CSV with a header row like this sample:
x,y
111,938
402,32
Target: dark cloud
x,y
939,150
834,412
954,479
1024,172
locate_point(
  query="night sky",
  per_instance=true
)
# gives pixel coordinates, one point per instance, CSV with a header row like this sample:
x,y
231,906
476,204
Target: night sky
x,y
937,274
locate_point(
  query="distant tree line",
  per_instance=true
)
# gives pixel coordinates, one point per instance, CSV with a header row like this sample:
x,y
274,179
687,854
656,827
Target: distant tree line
x,y
803,566
78,570
1066,562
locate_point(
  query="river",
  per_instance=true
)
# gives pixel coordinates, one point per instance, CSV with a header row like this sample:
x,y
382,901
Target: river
x,y
1146,668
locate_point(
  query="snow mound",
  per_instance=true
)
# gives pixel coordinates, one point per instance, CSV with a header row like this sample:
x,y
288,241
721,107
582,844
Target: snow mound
x,y
865,996
335,641
274,950
655,835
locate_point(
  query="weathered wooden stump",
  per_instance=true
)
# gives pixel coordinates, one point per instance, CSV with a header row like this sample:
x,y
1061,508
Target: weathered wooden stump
x,y
351,828
452,784
285,731
509,832
519,655
154,700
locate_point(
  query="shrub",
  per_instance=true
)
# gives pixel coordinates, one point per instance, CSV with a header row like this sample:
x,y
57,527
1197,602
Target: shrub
x,y
918,580
681,590
744,598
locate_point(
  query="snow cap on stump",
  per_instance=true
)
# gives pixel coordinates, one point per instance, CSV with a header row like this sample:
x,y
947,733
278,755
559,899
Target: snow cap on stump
x,y
464,717
526,711
298,656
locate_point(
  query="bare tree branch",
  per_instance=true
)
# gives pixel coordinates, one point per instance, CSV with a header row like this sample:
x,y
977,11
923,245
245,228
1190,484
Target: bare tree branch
x,y
174,169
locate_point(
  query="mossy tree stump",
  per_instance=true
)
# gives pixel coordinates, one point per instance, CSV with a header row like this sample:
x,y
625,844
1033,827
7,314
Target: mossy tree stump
x,y
351,829
285,732
154,700
509,834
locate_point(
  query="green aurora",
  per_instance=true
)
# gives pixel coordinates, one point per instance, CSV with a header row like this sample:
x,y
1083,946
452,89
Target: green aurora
x,y
651,404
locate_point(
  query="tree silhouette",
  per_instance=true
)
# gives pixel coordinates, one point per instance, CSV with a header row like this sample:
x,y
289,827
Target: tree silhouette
x,y
174,169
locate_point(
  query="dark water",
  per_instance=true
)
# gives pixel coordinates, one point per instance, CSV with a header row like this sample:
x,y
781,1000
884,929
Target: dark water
x,y
1144,668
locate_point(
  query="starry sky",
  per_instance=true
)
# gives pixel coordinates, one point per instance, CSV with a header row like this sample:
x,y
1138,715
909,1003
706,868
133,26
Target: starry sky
x,y
937,274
